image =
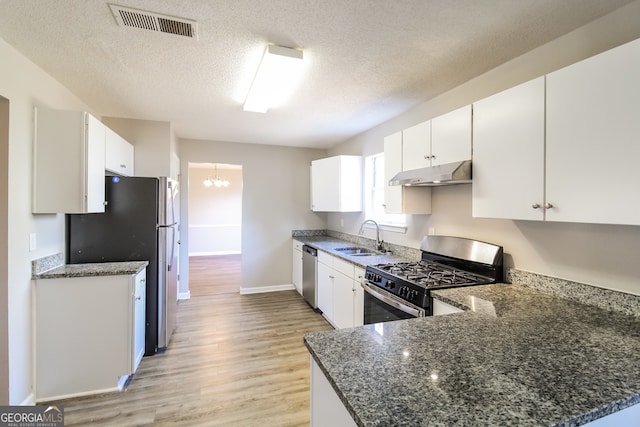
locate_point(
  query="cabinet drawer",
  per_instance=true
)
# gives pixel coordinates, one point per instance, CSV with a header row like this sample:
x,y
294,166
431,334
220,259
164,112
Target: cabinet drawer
x,y
343,267
358,274
325,258
297,245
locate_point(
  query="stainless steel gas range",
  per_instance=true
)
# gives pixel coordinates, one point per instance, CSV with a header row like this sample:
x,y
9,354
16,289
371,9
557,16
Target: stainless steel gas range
x,y
403,290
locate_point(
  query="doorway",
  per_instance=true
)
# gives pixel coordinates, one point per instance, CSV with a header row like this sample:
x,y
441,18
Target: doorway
x,y
215,228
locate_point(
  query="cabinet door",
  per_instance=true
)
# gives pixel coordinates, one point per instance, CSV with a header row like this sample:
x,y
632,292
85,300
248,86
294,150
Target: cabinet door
x,y
326,407
325,290
399,199
68,169
392,165
342,301
358,297
296,262
119,156
593,123
416,146
95,158
508,153
336,184
451,137
139,318
325,181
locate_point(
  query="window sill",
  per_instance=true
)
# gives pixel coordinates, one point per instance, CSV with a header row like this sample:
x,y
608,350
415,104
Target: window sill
x,y
389,227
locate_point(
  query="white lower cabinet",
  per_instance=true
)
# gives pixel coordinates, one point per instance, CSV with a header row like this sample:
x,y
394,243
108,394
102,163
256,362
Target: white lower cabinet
x,y
296,262
89,333
325,289
340,295
327,410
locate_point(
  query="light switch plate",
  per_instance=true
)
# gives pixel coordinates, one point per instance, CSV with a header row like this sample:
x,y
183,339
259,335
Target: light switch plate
x,y
32,242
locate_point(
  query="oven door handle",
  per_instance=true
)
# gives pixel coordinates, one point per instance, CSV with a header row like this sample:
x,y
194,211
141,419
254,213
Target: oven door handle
x,y
392,302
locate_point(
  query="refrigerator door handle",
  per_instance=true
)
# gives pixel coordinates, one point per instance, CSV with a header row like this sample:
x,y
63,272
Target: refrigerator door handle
x,y
173,246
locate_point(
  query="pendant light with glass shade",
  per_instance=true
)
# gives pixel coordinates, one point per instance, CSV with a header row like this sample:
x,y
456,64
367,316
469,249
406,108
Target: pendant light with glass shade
x,y
217,181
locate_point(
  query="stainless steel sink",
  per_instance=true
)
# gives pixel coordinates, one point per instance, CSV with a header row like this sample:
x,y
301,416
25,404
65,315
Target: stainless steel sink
x,y
356,251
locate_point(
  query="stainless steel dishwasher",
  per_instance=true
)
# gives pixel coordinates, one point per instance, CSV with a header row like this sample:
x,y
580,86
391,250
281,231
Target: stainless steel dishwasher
x,y
310,275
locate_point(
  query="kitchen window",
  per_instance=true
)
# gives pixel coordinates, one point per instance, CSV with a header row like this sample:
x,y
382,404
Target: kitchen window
x,y
374,184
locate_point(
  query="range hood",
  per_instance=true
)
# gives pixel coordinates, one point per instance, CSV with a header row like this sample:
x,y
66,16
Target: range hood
x,y
445,174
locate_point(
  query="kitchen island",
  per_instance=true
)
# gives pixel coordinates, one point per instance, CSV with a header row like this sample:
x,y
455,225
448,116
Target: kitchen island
x,y
517,356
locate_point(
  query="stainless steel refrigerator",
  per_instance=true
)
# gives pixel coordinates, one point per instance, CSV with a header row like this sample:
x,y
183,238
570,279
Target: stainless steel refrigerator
x,y
139,224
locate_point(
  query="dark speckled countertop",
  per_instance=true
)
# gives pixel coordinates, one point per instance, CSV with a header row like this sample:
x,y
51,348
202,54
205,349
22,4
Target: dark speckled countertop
x,y
521,358
330,244
93,269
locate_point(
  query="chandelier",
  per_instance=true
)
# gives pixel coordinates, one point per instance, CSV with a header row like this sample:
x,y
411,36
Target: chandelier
x,y
217,181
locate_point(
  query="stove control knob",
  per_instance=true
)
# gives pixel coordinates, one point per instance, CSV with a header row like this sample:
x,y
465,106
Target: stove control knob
x,y
390,284
403,290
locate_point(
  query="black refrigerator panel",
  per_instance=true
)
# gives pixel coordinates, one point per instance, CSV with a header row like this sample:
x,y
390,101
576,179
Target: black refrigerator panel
x,y
127,231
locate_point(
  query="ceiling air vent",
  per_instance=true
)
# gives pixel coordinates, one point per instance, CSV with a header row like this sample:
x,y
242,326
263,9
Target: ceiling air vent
x,y
128,17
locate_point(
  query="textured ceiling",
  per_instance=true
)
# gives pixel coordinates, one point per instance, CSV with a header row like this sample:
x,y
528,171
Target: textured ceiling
x,y
366,60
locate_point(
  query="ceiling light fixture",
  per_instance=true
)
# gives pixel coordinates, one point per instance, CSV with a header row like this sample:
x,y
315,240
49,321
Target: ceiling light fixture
x,y
279,71
217,181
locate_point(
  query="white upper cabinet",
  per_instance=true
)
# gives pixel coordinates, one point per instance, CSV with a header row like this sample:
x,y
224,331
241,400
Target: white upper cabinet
x,y
451,137
562,147
443,139
416,147
593,127
119,154
399,199
336,184
508,153
69,159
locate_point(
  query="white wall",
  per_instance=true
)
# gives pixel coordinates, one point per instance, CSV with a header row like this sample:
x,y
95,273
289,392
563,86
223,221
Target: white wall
x,y
25,86
215,213
275,201
602,255
153,143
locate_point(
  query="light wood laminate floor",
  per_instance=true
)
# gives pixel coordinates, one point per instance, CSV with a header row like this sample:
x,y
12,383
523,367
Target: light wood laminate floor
x,y
234,360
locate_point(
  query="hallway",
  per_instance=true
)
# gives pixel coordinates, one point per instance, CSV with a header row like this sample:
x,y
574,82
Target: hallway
x,y
234,360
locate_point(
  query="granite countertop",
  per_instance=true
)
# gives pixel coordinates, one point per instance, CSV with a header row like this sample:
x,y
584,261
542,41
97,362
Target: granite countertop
x,y
521,358
330,244
93,269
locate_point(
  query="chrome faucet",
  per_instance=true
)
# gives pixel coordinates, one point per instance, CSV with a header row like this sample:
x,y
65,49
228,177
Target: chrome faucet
x,y
378,241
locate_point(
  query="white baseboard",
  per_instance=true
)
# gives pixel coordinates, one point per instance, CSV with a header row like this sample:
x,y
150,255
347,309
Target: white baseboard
x,y
263,289
184,295
214,253
80,394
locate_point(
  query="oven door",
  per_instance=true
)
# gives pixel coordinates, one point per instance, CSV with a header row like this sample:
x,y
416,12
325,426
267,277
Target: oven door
x,y
382,306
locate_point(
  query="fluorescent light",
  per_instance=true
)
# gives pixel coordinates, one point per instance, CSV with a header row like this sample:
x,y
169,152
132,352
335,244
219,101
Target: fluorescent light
x,y
277,75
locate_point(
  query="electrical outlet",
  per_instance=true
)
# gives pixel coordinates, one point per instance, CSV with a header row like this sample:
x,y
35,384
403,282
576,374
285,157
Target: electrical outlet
x,y
431,231
341,222
32,242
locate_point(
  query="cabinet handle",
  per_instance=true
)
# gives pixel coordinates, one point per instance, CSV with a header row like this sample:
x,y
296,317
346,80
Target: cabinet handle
x,y
535,205
331,277
426,156
123,166
548,205
138,298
